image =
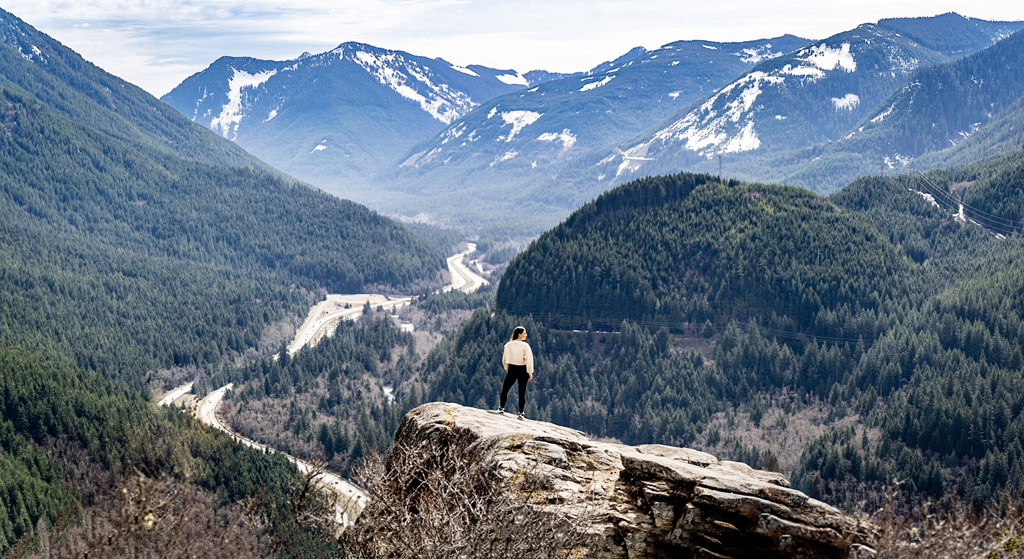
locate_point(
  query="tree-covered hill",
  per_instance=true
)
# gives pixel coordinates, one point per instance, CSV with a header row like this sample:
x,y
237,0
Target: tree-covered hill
x,y
67,434
688,248
847,341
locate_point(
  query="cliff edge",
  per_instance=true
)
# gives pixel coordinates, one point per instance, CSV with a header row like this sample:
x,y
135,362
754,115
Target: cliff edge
x,y
642,501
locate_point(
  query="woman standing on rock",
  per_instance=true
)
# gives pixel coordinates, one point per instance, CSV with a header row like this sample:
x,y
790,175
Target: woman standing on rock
x,y
517,360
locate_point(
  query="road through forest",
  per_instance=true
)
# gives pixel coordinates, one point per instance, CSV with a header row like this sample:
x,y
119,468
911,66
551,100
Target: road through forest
x,y
320,322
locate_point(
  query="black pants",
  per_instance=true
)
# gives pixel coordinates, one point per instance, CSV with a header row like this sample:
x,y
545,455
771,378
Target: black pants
x,y
515,373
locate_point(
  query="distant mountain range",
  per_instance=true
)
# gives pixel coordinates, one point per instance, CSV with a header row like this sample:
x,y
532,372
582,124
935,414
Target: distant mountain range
x,y
951,114
817,96
525,137
782,109
341,114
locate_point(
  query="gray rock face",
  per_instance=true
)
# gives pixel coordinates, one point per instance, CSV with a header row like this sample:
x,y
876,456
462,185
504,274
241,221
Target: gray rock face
x,y
649,500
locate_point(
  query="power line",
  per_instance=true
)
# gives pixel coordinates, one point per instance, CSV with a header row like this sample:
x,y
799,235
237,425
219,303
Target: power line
x,y
995,224
743,325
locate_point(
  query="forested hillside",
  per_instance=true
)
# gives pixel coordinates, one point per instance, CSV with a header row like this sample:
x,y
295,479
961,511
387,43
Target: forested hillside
x,y
696,249
975,98
131,241
847,341
68,434
131,257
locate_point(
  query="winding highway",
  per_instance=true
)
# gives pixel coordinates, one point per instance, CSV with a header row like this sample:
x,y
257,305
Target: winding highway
x,y
325,315
321,321
351,500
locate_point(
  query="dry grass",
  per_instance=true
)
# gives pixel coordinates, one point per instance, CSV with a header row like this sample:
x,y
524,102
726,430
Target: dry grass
x,y
785,429
954,531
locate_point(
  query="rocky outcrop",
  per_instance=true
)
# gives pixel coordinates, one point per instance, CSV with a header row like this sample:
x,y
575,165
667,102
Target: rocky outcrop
x,y
648,500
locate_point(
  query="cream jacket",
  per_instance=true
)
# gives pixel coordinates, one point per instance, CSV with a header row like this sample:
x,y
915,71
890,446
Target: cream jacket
x,y
518,352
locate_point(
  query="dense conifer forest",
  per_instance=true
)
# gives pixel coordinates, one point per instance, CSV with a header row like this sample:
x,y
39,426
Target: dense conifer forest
x,y
707,300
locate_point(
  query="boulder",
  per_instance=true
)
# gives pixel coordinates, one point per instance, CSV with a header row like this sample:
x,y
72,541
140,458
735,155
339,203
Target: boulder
x,y
648,500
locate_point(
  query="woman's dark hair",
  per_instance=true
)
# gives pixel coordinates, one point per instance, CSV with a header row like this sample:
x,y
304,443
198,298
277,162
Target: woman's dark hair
x,y
518,330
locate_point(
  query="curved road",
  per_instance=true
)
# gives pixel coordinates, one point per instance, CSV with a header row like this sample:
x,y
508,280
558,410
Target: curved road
x,y
351,500
319,322
463,279
324,316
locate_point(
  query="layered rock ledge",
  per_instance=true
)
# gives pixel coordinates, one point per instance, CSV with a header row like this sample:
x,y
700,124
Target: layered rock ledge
x,y
648,500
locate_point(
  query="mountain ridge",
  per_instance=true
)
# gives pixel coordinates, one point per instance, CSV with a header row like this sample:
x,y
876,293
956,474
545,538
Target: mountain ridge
x,y
338,113
844,76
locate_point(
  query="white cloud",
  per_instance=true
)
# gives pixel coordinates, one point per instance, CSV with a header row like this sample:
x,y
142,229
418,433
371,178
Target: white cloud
x,y
133,38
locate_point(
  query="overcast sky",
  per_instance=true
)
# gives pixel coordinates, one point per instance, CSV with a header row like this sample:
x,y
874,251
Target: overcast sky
x,y
157,43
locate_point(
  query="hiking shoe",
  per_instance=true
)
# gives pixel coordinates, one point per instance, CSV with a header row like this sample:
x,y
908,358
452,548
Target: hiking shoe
x,y
500,411
521,416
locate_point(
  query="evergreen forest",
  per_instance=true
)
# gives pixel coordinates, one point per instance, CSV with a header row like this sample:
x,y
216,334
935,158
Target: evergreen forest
x,y
674,307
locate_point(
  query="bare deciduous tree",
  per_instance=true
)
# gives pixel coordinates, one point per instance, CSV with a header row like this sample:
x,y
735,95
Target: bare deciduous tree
x,y
147,518
951,531
431,504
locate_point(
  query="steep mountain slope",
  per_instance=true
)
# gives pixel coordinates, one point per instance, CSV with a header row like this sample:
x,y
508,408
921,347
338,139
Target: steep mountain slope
x,y
125,252
77,90
334,117
811,96
1002,134
935,111
133,241
526,137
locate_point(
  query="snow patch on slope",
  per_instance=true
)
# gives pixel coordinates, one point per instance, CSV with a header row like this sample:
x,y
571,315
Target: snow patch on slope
x,y
803,72
595,85
453,133
926,196
510,154
512,79
706,129
231,114
825,57
847,102
394,71
518,120
567,138
757,55
881,116
897,159
465,70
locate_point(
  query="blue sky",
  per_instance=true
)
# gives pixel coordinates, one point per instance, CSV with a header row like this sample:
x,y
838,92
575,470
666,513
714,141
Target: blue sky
x,y
157,43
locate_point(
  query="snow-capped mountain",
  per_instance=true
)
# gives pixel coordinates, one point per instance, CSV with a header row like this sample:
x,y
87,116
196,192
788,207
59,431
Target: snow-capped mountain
x,y
811,96
340,114
966,104
549,148
531,131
